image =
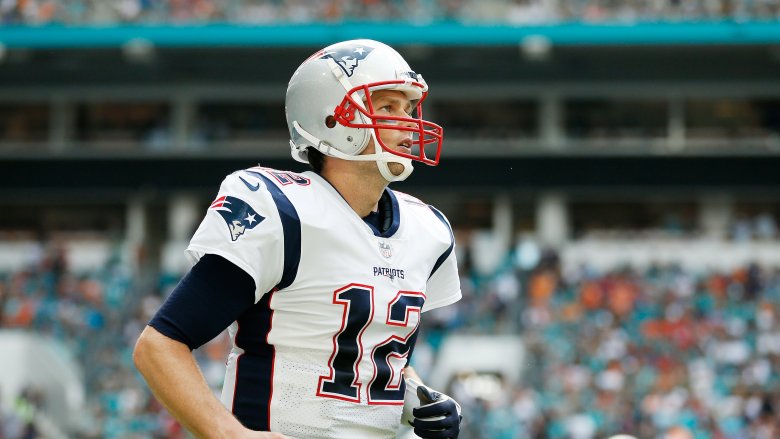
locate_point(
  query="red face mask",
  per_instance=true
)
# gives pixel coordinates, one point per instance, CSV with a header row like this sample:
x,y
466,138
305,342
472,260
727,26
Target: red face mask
x,y
426,136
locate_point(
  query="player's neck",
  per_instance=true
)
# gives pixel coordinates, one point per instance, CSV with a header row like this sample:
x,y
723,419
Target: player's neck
x,y
361,193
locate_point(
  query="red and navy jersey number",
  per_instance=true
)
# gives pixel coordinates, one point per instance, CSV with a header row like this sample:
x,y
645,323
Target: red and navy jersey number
x,y
386,386
342,383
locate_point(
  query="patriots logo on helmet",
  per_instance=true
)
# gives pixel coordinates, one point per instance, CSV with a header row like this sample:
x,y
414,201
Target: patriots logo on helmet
x,y
238,215
348,57
410,74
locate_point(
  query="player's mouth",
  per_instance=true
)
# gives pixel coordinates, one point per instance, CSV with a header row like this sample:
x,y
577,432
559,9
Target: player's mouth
x,y
406,145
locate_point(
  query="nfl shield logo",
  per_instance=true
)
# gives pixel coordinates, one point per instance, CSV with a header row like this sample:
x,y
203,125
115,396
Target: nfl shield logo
x,y
385,250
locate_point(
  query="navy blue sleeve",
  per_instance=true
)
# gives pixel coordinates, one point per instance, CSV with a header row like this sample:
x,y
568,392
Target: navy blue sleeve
x,y
211,296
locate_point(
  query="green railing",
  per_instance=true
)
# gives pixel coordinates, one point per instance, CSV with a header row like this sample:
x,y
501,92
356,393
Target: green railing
x,y
437,34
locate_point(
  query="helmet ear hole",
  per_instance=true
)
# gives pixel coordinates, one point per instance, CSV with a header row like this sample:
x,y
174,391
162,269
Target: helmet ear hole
x,y
330,121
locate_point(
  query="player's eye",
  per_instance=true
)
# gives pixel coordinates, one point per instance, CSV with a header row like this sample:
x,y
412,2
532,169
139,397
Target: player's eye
x,y
413,108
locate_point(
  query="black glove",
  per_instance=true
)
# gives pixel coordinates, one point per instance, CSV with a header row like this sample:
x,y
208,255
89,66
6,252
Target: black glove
x,y
438,417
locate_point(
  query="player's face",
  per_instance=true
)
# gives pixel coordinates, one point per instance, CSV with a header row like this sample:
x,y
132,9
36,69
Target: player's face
x,y
392,103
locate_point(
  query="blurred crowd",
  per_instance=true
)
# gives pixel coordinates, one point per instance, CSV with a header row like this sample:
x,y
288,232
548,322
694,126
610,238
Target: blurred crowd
x,y
626,351
75,12
619,351
97,316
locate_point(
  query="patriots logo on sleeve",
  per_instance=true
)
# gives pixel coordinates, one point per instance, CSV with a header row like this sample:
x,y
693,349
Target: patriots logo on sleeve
x,y
349,57
238,215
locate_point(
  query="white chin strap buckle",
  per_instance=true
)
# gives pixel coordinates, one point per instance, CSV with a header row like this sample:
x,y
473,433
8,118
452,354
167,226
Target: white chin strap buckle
x,y
384,167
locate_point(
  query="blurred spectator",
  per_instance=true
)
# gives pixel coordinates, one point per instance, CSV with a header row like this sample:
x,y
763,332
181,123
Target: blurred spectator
x,y
11,425
678,432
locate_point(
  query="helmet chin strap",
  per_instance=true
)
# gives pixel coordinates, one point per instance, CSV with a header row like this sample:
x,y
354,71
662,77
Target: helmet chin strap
x,y
382,159
384,168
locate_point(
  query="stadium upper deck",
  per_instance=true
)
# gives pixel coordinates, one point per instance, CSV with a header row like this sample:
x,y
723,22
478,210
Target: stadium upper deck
x,y
607,94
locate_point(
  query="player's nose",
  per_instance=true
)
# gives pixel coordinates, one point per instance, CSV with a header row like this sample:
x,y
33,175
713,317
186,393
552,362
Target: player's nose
x,y
409,123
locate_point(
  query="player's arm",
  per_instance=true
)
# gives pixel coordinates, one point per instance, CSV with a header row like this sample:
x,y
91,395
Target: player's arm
x,y
206,301
433,414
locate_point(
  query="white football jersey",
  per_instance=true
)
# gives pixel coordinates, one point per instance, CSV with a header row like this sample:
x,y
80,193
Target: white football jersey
x,y
321,353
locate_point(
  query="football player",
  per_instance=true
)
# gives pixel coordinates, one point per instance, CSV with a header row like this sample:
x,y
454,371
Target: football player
x,y
322,277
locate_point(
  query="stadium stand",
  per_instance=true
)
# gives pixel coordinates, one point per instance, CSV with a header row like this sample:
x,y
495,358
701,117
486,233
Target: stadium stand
x,y
418,11
606,350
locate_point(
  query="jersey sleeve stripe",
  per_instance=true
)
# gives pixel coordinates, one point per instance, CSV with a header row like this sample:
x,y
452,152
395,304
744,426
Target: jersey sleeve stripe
x,y
447,252
291,227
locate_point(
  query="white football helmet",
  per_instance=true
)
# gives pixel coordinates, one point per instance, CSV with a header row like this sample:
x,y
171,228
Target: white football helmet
x,y
328,106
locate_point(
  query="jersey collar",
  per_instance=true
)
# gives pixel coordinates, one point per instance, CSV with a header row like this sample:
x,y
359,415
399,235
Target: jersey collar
x,y
388,206
391,205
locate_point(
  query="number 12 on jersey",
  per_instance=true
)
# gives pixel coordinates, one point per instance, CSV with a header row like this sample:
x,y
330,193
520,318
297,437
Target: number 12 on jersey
x,y
387,357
